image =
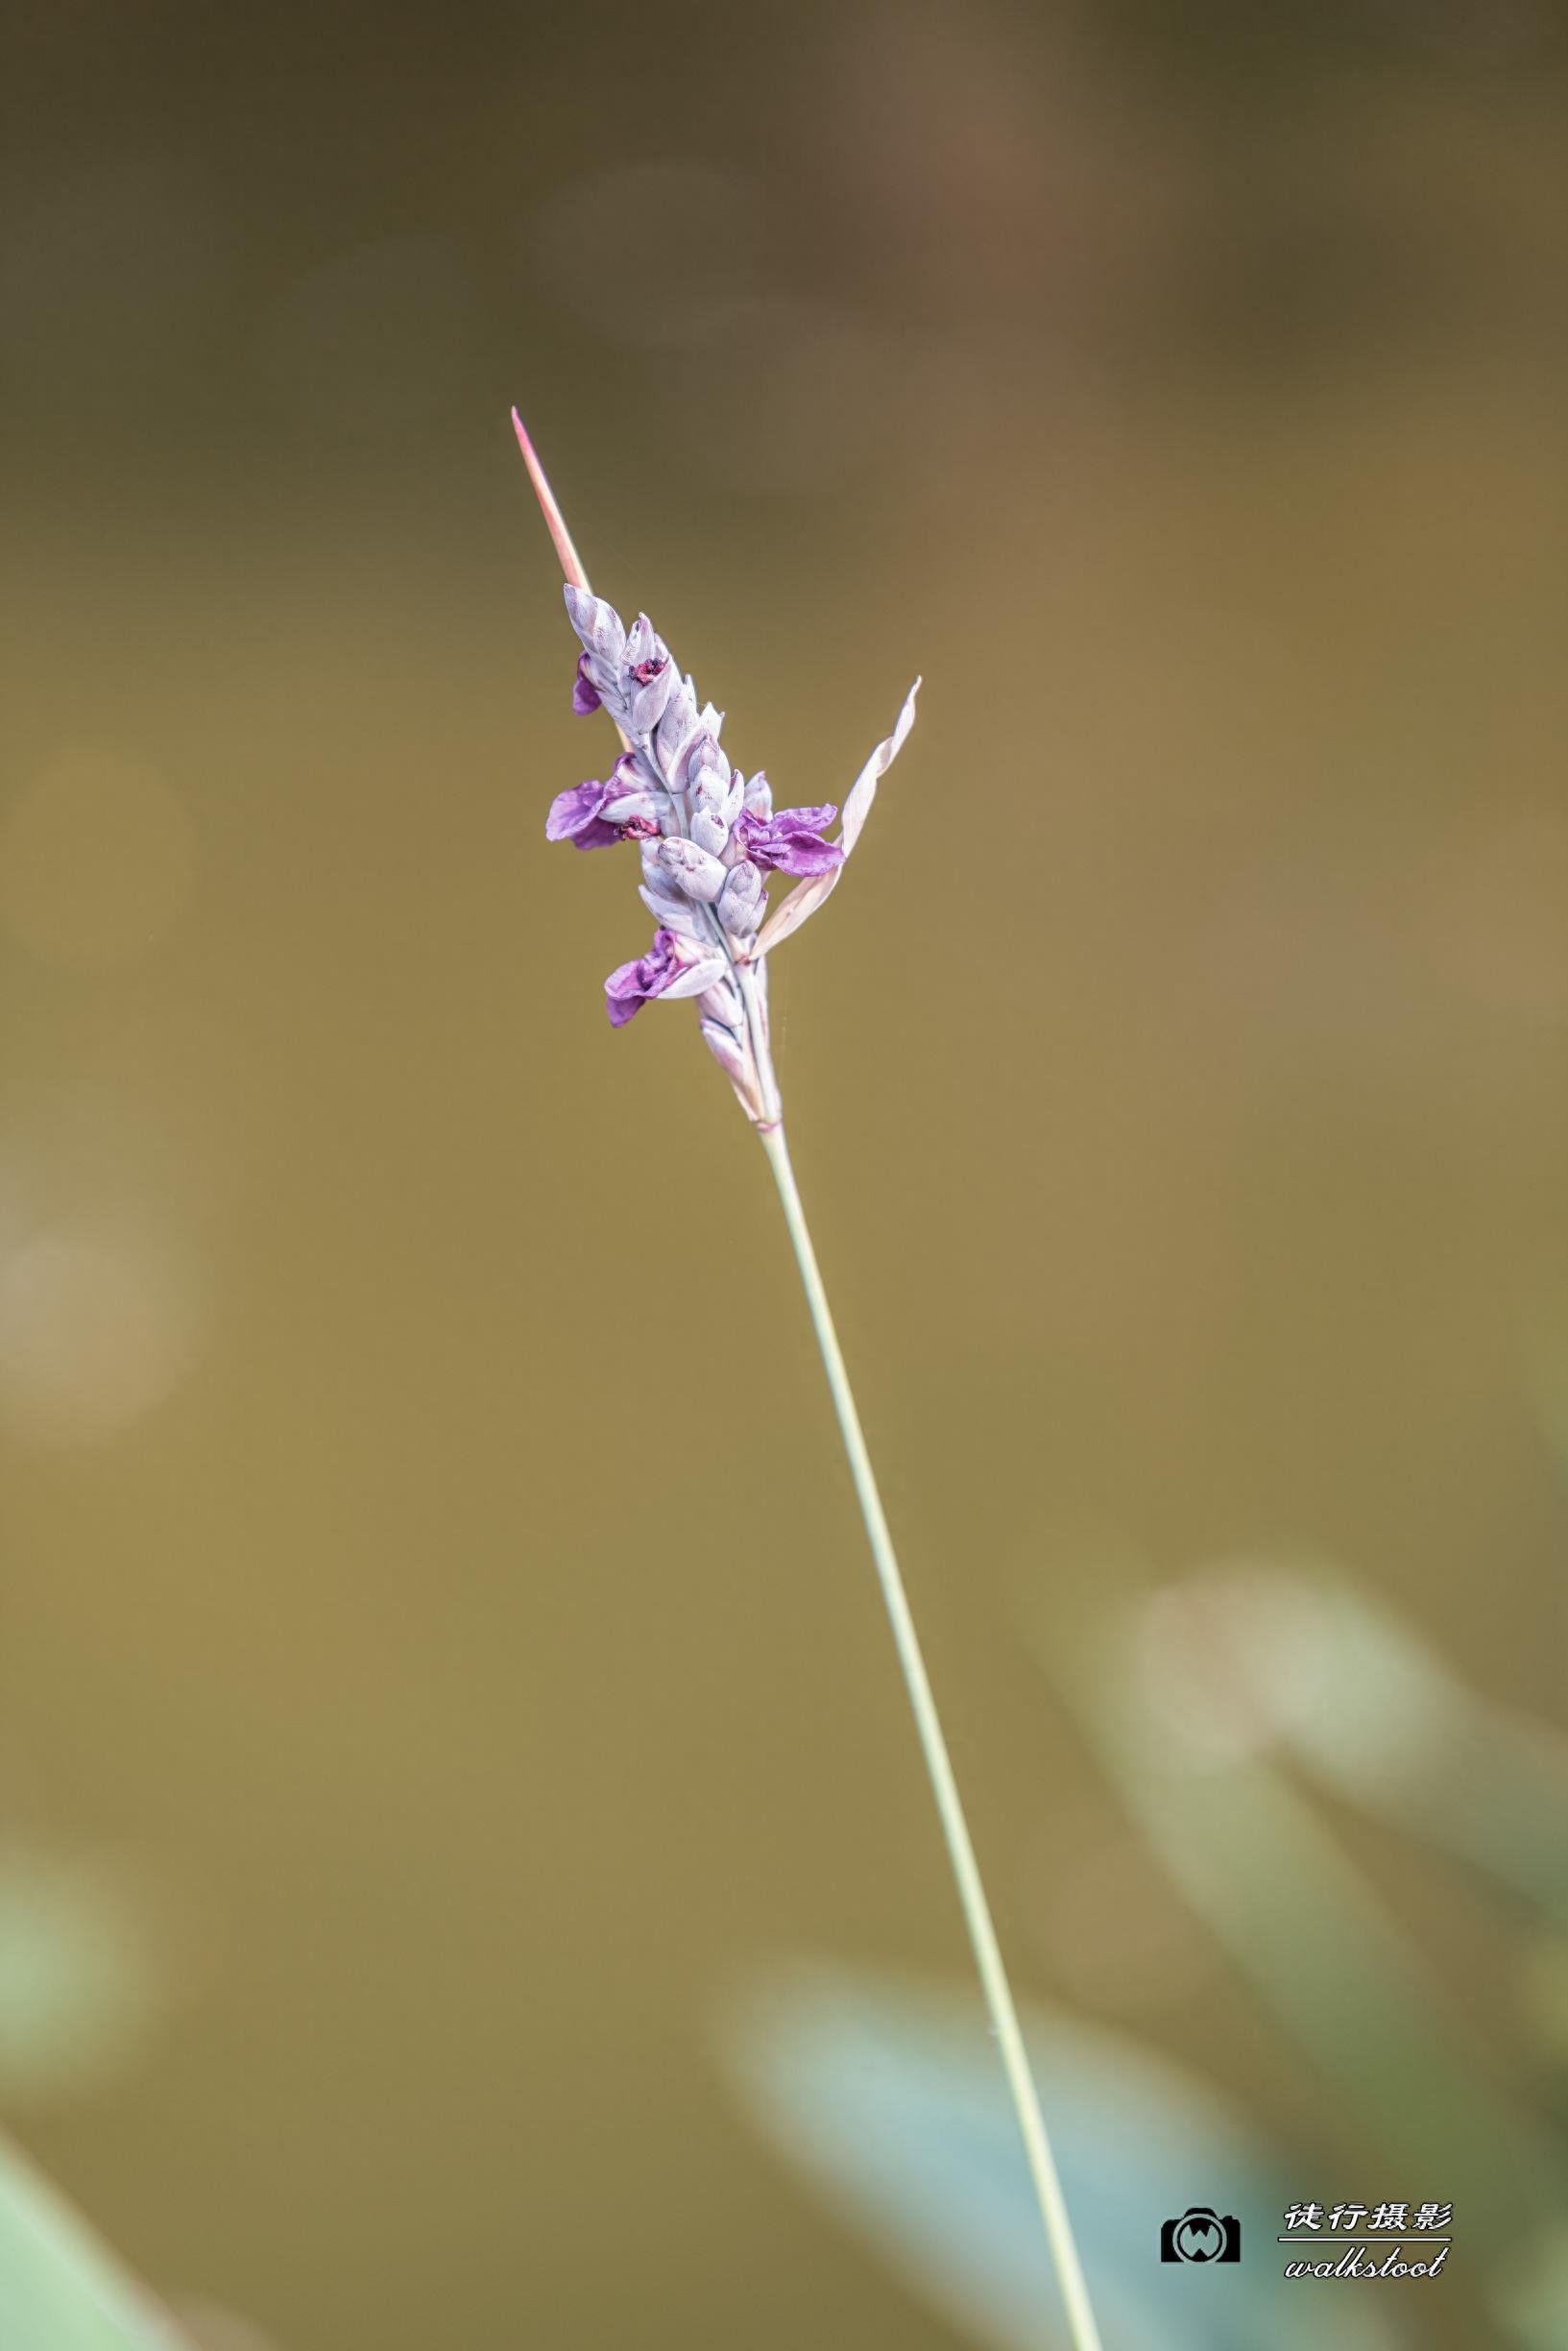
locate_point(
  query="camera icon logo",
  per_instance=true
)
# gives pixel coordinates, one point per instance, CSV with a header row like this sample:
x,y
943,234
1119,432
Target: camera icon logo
x,y
1200,2234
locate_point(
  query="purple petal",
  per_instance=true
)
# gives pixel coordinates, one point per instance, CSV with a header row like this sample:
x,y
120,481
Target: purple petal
x,y
624,999
803,853
586,698
789,842
573,811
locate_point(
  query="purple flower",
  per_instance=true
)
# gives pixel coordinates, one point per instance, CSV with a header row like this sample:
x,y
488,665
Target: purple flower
x,y
790,842
585,694
632,985
598,816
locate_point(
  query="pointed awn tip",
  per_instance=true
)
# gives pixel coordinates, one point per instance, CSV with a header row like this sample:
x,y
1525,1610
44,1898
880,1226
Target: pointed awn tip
x,y
572,562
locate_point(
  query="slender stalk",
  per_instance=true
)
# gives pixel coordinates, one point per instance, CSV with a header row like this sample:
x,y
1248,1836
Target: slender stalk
x,y
966,1871
764,1107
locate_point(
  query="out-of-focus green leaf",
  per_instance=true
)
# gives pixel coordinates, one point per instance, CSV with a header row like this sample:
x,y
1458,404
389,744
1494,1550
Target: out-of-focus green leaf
x,y
82,1980
60,2288
892,2102
1309,1927
1402,1735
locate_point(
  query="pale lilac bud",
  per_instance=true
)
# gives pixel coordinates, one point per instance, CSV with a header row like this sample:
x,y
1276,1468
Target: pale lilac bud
x,y
705,757
646,704
645,651
632,802
673,913
696,870
759,795
707,789
662,894
740,901
700,976
709,832
597,624
637,811
676,729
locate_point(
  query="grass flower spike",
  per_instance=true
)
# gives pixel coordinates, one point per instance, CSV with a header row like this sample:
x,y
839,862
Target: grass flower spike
x,y
707,841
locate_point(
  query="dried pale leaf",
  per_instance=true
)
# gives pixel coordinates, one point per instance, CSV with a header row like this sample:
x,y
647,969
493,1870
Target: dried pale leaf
x,y
790,912
864,791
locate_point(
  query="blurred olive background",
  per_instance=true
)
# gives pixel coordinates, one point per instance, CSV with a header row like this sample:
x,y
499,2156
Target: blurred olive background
x,y
440,1662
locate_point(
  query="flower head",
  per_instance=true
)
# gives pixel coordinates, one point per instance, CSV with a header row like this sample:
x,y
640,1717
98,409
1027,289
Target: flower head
x,y
709,837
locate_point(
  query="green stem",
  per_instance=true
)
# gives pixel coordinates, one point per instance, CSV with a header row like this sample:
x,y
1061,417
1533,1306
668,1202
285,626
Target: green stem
x,y
977,1910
